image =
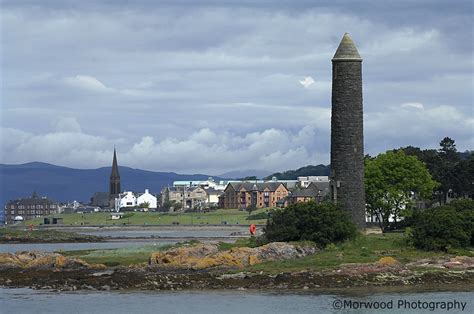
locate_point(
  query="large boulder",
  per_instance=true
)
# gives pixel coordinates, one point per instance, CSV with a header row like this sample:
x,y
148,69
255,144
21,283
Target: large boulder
x,y
41,260
204,256
186,255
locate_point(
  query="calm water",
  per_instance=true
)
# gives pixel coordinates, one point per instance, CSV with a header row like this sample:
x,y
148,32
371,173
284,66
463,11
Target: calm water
x,y
159,233
30,301
166,237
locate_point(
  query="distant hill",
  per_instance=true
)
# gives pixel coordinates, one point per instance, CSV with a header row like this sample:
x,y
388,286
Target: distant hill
x,y
319,170
245,173
68,184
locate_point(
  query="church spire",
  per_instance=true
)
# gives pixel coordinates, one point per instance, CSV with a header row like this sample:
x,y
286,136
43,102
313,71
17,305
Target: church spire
x,y
115,171
114,183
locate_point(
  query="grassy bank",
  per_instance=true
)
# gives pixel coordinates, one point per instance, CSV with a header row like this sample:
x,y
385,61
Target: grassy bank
x,y
222,216
122,256
8,235
364,249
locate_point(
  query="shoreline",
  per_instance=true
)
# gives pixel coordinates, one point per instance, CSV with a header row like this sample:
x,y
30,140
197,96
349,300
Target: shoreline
x,y
80,234
150,279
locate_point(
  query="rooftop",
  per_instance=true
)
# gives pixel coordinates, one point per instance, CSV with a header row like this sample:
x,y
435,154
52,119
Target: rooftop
x,y
347,50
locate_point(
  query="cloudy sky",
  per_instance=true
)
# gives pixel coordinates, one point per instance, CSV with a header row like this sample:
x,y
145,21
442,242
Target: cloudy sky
x,y
214,86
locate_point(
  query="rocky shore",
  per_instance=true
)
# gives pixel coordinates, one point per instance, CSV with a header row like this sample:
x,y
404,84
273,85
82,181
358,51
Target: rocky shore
x,y
158,279
205,267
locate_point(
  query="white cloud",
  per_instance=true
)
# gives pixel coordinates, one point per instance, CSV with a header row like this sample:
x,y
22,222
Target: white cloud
x,y
307,81
204,151
87,82
415,105
67,125
416,125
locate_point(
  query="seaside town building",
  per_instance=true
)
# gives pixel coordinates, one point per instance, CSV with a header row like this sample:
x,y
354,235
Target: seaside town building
x,y
133,199
315,191
191,197
261,195
29,208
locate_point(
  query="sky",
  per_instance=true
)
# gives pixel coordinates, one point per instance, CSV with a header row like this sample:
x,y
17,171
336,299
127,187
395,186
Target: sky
x,y
217,86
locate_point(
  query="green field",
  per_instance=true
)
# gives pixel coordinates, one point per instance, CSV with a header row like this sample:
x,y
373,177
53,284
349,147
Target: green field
x,y
219,217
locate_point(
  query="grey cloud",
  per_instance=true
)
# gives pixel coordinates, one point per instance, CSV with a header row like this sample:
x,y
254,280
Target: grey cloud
x,y
151,74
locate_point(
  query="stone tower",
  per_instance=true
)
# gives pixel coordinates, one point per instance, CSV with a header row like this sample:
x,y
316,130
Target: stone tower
x,y
114,185
347,133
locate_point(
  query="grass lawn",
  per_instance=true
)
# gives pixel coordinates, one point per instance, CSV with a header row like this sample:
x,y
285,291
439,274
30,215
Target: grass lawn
x,y
364,249
231,216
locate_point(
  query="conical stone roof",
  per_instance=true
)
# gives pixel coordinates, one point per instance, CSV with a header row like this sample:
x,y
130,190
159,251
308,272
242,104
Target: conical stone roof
x,y
347,50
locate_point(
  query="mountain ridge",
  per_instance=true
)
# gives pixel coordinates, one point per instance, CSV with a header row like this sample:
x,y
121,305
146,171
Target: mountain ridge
x,y
67,184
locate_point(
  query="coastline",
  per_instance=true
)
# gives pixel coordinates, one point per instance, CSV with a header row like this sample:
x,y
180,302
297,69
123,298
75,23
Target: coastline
x,y
118,279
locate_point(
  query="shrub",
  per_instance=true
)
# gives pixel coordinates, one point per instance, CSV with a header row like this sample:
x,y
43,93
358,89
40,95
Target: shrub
x,y
465,208
442,228
321,223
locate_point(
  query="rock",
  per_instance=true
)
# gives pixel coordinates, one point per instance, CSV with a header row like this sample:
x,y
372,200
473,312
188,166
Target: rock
x,y
388,261
182,255
232,276
42,260
203,256
458,262
105,288
466,261
453,264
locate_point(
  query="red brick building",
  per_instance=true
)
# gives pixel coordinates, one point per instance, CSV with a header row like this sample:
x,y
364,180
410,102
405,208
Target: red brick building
x,y
244,194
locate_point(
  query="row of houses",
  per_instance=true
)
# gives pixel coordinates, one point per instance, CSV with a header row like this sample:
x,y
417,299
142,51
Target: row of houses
x,y
270,194
185,195
242,194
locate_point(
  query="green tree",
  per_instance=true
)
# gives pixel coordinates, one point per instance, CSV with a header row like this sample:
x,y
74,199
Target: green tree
x,y
391,181
444,227
323,223
447,175
464,183
166,196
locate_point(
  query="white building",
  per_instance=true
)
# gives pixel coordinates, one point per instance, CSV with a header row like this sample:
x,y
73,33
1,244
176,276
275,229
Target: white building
x,y
132,199
206,184
304,182
128,199
147,198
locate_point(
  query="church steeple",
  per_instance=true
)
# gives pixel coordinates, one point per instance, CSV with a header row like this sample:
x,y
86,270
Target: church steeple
x,y
114,187
115,171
